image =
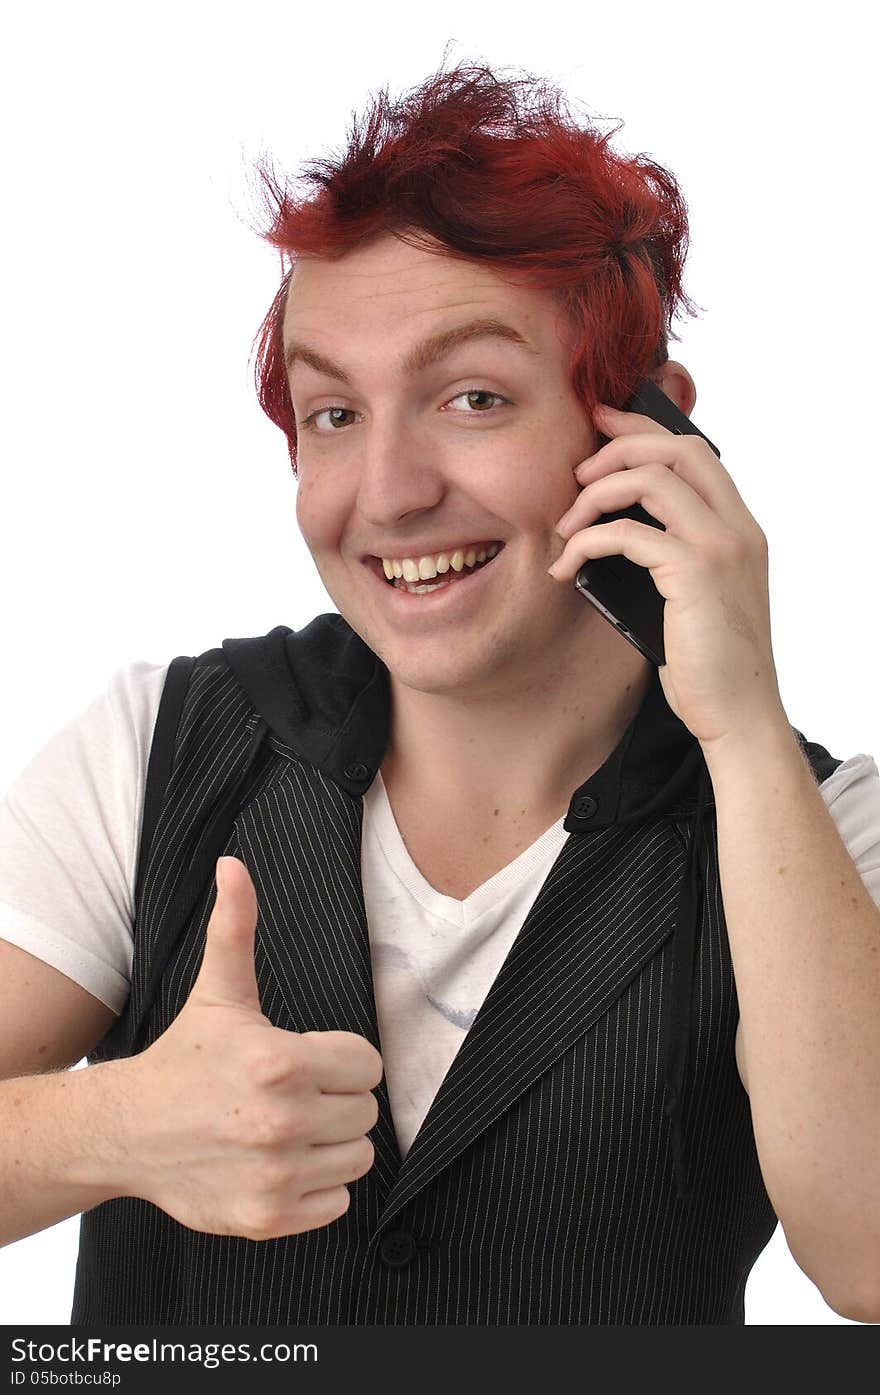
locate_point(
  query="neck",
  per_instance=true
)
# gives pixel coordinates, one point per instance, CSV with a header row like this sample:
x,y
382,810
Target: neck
x,y
528,744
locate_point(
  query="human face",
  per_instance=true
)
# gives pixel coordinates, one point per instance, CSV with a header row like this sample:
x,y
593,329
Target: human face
x,y
413,462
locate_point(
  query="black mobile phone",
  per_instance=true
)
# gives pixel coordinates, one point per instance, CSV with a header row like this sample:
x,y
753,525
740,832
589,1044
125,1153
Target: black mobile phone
x,y
621,590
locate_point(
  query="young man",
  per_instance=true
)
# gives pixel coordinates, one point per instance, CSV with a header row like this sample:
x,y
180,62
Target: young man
x,y
574,940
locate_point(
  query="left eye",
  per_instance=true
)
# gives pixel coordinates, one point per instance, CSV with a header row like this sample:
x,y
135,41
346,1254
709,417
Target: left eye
x,y
478,392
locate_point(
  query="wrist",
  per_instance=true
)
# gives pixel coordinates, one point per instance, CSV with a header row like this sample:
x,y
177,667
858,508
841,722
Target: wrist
x,y
769,734
101,1137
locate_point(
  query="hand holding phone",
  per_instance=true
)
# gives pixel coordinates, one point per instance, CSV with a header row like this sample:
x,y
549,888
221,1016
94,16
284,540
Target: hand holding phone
x,y
623,592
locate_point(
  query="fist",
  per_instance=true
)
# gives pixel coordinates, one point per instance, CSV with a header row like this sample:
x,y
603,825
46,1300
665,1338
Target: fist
x,y
234,1126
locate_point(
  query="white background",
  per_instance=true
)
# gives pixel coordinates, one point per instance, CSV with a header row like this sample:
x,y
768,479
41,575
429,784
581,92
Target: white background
x,y
148,505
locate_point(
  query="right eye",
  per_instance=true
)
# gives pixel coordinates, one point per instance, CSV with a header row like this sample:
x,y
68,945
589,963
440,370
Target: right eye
x,y
309,421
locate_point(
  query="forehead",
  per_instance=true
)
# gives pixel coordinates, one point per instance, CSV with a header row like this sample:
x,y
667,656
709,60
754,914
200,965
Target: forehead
x,y
390,283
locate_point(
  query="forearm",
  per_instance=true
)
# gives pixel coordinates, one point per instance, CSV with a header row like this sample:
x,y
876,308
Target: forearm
x,y
804,937
61,1148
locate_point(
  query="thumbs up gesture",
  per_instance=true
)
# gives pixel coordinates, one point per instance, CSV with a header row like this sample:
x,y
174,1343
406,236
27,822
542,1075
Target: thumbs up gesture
x,y
237,1127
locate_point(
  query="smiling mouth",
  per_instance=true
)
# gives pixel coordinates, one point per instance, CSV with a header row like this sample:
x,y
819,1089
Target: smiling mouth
x,y
441,580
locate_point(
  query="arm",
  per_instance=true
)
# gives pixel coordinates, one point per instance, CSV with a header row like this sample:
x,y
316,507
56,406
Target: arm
x,y
805,943
804,932
216,1122
59,1131
60,1150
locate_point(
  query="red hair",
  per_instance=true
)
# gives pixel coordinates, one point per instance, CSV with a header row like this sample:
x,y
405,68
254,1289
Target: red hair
x,y
497,172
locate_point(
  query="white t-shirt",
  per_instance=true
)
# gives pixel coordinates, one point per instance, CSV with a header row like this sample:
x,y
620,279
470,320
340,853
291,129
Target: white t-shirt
x,y
70,829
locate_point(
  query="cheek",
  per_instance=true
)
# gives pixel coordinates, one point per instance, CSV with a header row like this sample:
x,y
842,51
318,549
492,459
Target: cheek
x,y
302,505
537,499
541,484
316,514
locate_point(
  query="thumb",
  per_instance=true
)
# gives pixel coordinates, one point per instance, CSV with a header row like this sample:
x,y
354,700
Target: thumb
x,y
227,972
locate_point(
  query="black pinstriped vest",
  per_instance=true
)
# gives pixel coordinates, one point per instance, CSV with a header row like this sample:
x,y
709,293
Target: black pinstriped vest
x,y
588,1158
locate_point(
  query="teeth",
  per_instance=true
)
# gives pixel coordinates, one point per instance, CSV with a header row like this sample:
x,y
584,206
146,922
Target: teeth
x,y
428,567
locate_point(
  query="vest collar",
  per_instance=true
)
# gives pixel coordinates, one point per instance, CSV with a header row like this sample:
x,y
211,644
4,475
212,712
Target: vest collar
x,y
325,694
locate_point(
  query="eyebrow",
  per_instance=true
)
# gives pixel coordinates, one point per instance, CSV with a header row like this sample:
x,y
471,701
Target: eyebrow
x,y
428,352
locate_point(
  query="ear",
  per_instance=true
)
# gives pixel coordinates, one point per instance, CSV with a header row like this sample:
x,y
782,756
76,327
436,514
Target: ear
x,y
674,379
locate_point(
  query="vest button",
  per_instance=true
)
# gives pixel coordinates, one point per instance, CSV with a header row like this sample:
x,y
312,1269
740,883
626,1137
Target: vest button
x,y
584,807
398,1248
357,771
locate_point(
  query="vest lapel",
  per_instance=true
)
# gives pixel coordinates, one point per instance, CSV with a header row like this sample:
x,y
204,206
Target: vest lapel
x,y
607,906
303,842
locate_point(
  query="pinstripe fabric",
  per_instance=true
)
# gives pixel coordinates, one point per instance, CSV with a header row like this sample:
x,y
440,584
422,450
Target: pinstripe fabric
x,y
540,1187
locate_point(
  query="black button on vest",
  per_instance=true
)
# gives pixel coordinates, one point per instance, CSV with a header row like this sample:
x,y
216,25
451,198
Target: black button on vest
x,y
357,771
398,1248
584,807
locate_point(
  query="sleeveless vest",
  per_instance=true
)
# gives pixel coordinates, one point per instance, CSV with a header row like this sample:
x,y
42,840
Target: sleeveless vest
x,y
589,1156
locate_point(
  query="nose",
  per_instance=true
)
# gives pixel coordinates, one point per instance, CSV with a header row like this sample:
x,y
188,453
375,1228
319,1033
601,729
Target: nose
x,y
400,471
